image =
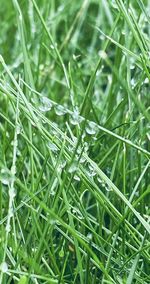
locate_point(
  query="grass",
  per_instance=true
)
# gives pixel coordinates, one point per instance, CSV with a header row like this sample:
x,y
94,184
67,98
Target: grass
x,y
75,150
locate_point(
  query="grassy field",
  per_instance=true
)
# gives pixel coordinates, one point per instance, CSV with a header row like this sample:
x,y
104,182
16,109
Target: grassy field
x,y
74,141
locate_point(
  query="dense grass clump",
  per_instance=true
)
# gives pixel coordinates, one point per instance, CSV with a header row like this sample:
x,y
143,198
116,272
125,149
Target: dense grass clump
x,y
74,151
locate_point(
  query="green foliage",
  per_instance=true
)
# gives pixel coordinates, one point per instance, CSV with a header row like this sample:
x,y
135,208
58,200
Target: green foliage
x,y
74,151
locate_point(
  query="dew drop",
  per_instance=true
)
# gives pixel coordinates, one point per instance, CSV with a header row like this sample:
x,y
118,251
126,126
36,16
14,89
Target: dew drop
x,y
108,188
146,81
99,180
70,148
77,178
95,138
91,128
113,3
60,110
8,228
102,54
132,67
52,146
91,173
89,236
77,212
5,176
18,129
82,159
13,170
4,267
34,249
12,192
46,104
63,164
133,83
75,118
73,167
103,184
123,32
74,57
20,17
52,192
60,8
101,37
11,213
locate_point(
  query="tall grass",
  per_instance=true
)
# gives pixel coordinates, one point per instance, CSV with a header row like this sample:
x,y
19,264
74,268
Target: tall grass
x,y
74,151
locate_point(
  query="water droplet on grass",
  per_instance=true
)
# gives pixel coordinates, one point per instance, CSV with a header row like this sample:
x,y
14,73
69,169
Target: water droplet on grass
x,y
123,32
41,67
46,104
12,192
91,128
77,212
102,54
103,184
82,159
18,129
11,213
52,146
63,164
73,167
101,37
113,3
13,170
60,110
91,173
89,236
99,180
133,83
77,178
108,188
70,148
132,67
8,228
146,81
60,8
5,176
52,192
75,118
4,267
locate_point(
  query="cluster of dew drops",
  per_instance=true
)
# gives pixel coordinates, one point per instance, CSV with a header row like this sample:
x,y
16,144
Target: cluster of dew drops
x,y
46,105
80,159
